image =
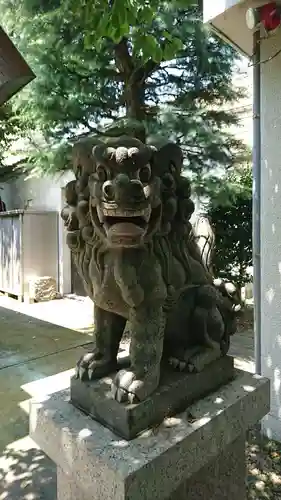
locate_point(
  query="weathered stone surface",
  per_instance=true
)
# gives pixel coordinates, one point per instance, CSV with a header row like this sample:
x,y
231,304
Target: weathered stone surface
x,y
43,289
67,489
223,475
143,264
223,478
159,464
175,392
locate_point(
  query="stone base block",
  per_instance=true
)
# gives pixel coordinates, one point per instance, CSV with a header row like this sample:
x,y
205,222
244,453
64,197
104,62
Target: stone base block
x,y
223,476
42,289
176,391
67,489
196,455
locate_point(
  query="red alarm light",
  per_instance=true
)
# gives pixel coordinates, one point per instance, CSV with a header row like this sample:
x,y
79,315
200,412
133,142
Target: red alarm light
x,y
270,16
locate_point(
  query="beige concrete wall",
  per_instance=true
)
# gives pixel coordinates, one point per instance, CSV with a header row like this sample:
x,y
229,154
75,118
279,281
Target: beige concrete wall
x,y
271,229
44,193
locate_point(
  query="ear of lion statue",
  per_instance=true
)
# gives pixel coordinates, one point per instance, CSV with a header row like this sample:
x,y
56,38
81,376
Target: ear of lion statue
x,y
168,158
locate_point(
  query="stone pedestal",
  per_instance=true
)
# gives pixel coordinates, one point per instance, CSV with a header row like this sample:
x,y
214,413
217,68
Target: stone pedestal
x,y
176,391
197,455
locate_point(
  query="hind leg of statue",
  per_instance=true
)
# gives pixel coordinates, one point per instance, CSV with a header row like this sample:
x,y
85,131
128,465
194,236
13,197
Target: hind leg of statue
x,y
147,333
197,362
180,359
211,326
195,359
102,360
208,328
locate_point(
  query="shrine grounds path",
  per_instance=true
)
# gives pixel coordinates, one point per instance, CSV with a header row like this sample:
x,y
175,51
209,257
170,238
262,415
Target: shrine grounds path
x,y
39,345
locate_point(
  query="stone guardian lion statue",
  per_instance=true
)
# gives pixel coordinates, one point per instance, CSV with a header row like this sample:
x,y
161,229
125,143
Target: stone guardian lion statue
x,y
127,216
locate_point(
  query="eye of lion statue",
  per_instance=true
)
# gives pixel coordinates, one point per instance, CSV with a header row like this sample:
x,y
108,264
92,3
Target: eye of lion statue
x,y
144,174
102,174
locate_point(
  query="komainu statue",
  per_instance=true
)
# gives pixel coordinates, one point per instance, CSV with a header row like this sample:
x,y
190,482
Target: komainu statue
x,y
128,227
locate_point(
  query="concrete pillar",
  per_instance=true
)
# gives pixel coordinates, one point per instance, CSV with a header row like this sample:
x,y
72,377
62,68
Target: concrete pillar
x,y
271,228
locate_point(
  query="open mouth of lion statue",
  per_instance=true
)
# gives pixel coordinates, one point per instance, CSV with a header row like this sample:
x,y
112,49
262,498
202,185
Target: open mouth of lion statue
x,y
126,227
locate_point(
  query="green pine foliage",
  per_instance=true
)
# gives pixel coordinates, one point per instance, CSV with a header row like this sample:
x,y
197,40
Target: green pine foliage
x,y
9,130
232,224
105,68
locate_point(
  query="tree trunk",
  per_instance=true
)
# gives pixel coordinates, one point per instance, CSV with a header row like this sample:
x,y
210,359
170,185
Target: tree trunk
x,y
134,78
135,102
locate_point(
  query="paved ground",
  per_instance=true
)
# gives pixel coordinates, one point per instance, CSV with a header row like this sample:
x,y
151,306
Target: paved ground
x,y
36,357
242,348
71,312
40,344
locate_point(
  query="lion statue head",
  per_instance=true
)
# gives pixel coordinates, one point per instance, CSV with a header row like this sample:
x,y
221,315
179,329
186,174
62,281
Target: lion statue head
x,y
124,193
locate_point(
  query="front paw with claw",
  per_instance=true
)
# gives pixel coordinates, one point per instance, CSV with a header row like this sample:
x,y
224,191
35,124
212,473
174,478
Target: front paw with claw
x,y
128,388
94,365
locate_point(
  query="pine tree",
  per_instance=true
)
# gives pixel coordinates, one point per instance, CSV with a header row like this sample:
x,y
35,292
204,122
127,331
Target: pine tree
x,y
9,130
232,223
169,80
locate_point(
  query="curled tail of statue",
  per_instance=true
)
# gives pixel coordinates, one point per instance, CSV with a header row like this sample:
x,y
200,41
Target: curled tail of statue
x,y
204,237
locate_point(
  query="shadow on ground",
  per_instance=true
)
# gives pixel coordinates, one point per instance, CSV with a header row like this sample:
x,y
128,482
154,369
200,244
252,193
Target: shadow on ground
x,y
27,474
35,357
263,467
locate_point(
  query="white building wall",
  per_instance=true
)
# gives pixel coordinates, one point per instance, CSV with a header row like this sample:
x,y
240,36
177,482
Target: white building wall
x,y
271,229
44,193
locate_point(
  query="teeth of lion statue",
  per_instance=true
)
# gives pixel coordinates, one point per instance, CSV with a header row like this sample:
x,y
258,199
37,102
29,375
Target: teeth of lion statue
x,y
116,212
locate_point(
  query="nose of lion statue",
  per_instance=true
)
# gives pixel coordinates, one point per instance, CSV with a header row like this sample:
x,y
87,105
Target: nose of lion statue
x,y
136,190
128,191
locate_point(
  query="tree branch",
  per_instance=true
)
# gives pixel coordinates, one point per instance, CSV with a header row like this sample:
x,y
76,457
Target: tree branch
x,y
124,60
143,72
107,73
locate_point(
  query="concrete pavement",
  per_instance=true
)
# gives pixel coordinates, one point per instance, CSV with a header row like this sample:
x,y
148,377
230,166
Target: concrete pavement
x,y
40,344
